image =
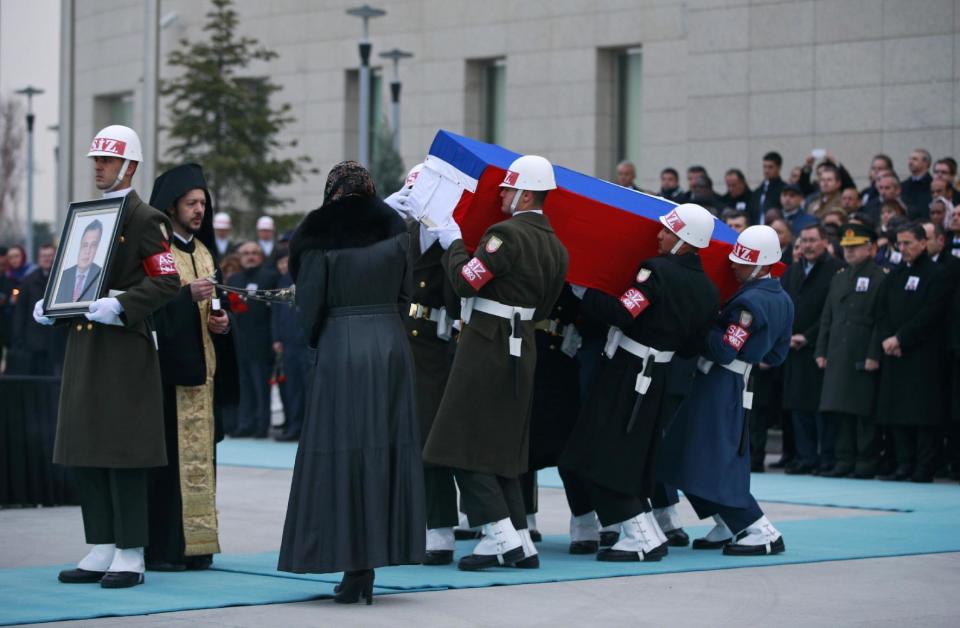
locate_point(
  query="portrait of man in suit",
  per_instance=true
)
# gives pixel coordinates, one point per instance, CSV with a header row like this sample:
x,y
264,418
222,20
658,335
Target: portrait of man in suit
x,y
78,282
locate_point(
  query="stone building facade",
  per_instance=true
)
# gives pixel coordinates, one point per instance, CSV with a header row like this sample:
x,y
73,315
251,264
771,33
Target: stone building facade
x,y
585,83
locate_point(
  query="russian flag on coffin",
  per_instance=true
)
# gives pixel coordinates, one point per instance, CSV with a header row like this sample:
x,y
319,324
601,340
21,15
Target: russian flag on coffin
x,y
607,229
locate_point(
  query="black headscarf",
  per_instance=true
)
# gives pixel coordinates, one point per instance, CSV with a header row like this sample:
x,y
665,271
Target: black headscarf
x,y
172,185
348,178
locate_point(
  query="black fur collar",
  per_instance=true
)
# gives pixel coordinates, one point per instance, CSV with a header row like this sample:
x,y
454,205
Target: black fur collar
x,y
350,222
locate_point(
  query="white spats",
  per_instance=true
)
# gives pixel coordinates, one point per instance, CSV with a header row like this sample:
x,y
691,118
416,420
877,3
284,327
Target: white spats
x,y
668,518
127,560
98,558
720,531
529,549
652,521
440,539
760,532
638,535
499,538
586,528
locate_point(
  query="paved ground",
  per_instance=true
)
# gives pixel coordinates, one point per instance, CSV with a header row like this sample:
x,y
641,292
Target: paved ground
x,y
915,590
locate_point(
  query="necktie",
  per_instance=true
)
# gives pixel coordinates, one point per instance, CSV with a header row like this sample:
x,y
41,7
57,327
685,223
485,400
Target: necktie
x,y
78,288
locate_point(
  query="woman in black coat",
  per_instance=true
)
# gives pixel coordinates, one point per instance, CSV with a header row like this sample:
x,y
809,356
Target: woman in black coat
x,y
356,502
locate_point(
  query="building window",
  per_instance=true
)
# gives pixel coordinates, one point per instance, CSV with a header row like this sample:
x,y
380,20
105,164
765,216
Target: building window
x,y
378,120
486,100
629,104
113,109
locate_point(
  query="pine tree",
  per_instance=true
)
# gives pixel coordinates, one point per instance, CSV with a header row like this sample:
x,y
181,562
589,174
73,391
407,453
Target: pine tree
x,y
222,118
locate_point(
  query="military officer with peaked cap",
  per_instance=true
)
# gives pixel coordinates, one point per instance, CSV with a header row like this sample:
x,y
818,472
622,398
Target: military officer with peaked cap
x,y
848,358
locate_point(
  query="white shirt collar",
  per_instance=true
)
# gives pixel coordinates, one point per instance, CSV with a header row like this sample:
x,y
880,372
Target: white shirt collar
x,y
117,193
182,239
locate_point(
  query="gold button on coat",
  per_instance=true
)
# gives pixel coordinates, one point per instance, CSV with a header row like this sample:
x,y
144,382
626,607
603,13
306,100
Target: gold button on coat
x,y
414,333
89,326
79,327
423,284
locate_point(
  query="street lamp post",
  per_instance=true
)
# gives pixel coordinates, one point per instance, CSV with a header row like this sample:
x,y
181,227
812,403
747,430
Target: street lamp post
x,y
395,55
30,91
365,13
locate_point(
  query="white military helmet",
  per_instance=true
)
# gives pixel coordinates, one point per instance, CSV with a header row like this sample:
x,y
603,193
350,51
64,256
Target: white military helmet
x,y
530,172
117,141
412,175
757,246
691,223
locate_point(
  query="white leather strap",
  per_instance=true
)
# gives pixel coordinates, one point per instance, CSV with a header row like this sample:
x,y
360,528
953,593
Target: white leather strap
x,y
500,310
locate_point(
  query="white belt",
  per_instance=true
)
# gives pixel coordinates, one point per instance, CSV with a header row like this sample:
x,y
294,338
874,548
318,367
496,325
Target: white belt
x,y
616,339
740,368
500,310
437,315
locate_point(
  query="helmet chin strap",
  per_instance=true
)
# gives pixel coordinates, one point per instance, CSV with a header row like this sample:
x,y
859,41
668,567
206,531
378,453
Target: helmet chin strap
x,y
120,175
756,271
515,202
676,247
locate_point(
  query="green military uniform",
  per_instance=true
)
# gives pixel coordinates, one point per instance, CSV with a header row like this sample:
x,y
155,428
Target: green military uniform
x,y
110,425
849,391
483,423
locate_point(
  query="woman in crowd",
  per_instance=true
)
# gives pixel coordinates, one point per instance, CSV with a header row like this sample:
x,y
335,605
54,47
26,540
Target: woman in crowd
x,y
357,501
18,266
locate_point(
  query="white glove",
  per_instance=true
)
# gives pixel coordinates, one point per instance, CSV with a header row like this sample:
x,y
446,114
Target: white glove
x,y
399,201
447,233
106,311
38,314
578,291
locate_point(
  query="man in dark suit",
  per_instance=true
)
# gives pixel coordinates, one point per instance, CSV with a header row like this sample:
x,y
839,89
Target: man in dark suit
x,y
77,282
767,194
915,189
808,283
255,358
670,185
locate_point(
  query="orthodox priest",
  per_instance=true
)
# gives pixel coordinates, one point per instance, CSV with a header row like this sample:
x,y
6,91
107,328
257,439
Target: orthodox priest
x,y
196,362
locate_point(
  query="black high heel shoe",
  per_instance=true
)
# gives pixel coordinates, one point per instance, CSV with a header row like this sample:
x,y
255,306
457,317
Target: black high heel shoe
x,y
354,585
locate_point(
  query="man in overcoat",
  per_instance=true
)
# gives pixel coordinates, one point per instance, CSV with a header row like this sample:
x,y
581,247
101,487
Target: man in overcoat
x,y
848,360
110,426
482,427
807,283
910,311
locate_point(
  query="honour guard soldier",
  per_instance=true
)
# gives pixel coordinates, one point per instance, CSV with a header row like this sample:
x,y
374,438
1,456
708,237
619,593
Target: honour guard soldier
x,y
610,458
848,359
482,427
433,308
706,451
909,315
556,395
110,427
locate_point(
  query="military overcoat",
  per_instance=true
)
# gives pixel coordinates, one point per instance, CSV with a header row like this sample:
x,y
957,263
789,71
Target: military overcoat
x,y
111,401
846,329
483,425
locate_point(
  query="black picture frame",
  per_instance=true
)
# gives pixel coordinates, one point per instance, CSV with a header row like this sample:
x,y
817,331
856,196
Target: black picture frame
x,y
60,299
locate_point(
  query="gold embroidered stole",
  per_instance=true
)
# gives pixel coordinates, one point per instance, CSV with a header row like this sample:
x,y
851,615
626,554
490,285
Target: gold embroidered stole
x,y
195,431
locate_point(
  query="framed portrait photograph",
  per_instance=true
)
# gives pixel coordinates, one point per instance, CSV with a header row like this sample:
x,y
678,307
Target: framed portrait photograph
x,y
79,272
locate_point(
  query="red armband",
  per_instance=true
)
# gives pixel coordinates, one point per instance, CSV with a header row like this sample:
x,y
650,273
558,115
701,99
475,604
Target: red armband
x,y
476,274
635,302
160,264
735,337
